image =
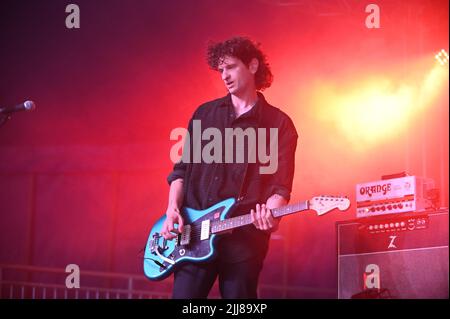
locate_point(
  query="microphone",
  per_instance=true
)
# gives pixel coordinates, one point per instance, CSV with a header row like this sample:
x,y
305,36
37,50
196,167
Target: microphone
x,y
25,106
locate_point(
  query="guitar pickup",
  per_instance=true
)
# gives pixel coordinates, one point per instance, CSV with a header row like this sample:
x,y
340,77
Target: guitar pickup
x,y
205,230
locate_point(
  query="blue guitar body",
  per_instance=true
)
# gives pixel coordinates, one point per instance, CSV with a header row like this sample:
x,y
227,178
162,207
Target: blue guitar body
x,y
162,256
201,227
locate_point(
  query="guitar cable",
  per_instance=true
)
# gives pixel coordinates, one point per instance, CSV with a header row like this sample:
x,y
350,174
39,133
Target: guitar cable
x,y
154,260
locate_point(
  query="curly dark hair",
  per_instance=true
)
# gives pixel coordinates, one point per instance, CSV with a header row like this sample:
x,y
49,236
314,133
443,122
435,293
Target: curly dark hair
x,y
245,50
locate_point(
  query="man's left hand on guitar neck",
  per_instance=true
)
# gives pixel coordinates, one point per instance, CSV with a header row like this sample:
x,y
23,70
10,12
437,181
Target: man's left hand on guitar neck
x,y
262,217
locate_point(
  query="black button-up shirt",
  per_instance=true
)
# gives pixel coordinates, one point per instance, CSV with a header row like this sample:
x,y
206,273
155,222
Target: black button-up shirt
x,y
205,184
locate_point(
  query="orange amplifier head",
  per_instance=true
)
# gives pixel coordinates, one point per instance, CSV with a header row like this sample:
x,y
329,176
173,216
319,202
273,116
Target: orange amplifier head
x,y
393,196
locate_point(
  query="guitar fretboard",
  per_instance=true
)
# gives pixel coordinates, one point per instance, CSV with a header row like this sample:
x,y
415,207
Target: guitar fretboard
x,y
239,221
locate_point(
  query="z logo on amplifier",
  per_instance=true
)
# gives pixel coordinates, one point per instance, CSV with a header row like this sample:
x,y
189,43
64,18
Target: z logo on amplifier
x,y
391,243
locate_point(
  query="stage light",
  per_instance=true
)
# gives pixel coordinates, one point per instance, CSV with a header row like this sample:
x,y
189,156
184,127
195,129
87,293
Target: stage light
x,y
367,111
442,57
372,109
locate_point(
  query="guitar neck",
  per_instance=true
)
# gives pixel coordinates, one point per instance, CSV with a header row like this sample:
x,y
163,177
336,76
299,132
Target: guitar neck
x,y
243,220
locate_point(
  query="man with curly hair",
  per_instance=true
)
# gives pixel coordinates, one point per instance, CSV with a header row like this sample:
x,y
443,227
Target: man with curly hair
x,y
240,254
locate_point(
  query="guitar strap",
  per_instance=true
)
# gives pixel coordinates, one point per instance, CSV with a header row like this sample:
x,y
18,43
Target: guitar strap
x,y
243,184
242,189
252,154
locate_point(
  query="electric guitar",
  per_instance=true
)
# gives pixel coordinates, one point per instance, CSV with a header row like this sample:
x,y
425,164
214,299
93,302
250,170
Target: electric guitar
x,y
196,242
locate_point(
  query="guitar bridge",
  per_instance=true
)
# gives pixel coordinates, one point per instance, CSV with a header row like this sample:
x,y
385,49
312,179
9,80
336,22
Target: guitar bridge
x,y
154,243
185,236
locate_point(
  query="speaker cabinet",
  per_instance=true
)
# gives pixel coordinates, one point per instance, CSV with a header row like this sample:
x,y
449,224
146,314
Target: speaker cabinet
x,y
394,256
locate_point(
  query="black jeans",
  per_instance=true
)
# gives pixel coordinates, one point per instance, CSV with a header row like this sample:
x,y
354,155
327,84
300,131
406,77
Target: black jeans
x,y
236,280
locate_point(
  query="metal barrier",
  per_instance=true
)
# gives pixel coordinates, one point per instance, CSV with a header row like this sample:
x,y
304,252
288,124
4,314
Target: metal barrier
x,y
19,282
33,289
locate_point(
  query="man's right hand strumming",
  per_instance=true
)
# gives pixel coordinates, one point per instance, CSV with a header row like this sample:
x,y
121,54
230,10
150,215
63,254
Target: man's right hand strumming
x,y
173,216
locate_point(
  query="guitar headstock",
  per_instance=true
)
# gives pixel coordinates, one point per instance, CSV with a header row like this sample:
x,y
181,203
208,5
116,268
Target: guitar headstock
x,y
324,204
